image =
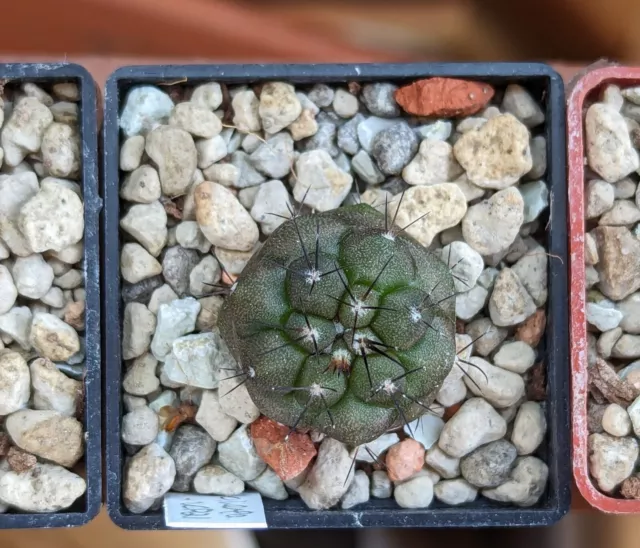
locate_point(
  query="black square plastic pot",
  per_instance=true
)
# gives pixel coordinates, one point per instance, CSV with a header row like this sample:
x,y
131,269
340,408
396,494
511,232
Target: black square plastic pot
x,y
547,87
88,506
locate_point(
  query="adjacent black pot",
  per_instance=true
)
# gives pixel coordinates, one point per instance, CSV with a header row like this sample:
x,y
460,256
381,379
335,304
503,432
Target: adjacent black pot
x,y
87,507
547,86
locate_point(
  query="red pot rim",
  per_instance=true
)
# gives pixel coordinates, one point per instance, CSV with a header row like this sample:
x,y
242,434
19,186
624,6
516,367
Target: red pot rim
x,y
582,88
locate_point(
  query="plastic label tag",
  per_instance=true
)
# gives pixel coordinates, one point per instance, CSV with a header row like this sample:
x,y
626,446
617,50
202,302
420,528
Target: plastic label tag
x,y
244,511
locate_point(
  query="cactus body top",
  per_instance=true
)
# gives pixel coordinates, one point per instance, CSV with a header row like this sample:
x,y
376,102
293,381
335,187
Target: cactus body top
x,y
342,323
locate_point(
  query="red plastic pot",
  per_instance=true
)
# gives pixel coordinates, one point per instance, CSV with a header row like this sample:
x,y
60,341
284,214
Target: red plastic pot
x,y
586,87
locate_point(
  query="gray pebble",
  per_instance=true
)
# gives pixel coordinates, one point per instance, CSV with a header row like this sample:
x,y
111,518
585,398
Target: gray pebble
x,y
379,99
393,148
238,455
269,485
191,449
536,199
489,465
491,338
381,486
177,265
141,292
358,492
274,158
324,139
440,130
348,135
364,167
321,95
247,174
370,127
395,185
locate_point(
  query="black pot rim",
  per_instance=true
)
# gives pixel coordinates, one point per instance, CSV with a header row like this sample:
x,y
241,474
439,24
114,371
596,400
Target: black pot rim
x,y
376,513
47,73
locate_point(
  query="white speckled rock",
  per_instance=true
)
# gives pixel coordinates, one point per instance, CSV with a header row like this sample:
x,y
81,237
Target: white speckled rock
x,y
475,424
15,191
222,219
271,203
138,327
246,106
147,223
215,480
23,130
61,150
144,108
328,185
527,483
345,104
446,466
455,492
492,225
189,236
53,219
269,485
140,379
611,460
174,320
47,434
53,390
358,492
131,153
499,387
211,150
416,492
616,421
279,106
465,262
174,152
196,120
213,419
17,324
497,154
142,185
235,400
14,382
274,157
140,426
433,164
630,308
529,428
531,270
516,356
470,303
599,198
53,338
330,476
381,486
238,455
137,264
610,152
366,168
207,95
147,477
8,291
442,206
203,276
603,315
42,489
510,303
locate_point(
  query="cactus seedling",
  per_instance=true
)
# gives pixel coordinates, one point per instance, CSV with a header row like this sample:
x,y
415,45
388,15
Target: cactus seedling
x,y
343,323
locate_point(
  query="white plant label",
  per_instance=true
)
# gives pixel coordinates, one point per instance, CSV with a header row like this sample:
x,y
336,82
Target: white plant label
x,y
244,511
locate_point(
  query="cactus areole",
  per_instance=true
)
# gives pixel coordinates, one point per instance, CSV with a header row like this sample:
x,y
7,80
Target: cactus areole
x,y
343,323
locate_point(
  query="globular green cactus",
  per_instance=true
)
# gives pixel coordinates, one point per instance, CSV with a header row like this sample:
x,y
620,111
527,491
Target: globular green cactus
x,y
343,323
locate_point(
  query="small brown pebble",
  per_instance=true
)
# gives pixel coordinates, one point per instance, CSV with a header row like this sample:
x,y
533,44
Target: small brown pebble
x,y
532,329
595,411
171,208
444,97
74,315
460,326
614,389
537,382
5,444
354,88
20,461
630,488
451,411
404,459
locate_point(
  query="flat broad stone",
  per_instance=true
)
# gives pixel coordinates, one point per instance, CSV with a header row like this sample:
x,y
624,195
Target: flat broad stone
x,y
476,423
492,225
222,219
330,477
610,152
215,480
147,223
433,164
53,338
195,360
326,183
238,455
619,266
516,356
497,154
213,419
174,320
441,207
45,488
603,315
611,460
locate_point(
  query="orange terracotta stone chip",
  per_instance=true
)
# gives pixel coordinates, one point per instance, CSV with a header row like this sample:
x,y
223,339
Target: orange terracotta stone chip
x,y
404,459
444,97
287,458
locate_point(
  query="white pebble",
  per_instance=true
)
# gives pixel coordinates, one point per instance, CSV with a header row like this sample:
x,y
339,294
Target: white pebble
x,y
616,421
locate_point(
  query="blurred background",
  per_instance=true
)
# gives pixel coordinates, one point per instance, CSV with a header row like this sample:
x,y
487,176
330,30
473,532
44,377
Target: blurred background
x,y
104,34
